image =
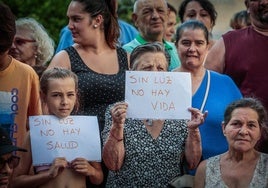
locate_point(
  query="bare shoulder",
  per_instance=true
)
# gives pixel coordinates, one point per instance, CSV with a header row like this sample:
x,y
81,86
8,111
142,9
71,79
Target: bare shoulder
x,y
216,57
200,176
61,59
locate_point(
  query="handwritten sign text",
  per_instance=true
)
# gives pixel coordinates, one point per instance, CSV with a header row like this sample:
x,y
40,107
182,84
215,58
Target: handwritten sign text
x,y
71,137
158,95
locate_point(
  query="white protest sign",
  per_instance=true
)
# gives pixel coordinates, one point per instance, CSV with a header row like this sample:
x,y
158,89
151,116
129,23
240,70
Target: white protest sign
x,y
158,95
70,137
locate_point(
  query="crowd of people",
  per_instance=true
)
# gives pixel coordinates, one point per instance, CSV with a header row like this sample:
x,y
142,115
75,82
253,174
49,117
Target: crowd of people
x,y
224,143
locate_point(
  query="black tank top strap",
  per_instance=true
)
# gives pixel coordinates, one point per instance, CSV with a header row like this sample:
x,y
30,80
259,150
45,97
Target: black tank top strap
x,y
122,59
77,63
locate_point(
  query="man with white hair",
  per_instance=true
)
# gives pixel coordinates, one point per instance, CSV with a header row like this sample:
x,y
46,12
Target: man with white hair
x,y
151,17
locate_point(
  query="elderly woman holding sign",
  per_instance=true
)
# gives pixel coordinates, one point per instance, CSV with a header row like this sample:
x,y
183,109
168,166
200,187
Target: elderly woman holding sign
x,y
148,153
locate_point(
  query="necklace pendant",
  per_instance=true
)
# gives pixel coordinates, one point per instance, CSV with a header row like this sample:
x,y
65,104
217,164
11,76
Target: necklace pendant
x,y
149,122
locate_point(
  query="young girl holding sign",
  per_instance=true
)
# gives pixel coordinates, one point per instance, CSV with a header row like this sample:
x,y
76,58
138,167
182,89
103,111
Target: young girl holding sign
x,y
59,98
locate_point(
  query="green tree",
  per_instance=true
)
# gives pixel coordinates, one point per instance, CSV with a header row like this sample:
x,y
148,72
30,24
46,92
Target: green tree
x,y
50,13
125,9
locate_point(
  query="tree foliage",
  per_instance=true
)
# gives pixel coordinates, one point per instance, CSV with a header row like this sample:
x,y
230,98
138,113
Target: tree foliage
x,y
52,13
125,9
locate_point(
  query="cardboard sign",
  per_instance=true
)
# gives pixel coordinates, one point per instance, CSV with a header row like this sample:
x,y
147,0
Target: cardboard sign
x,y
158,95
70,137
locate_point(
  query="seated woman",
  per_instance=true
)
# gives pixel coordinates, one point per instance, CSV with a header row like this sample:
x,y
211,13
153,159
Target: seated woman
x,y
241,166
143,154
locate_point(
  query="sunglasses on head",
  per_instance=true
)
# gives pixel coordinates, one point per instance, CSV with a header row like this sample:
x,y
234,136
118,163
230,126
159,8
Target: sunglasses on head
x,y
12,162
21,41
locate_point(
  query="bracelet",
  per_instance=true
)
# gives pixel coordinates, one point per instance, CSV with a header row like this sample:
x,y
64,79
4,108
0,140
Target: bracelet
x,y
118,140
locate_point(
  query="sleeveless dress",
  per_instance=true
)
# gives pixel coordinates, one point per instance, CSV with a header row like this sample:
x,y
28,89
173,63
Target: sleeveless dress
x,y
97,91
213,173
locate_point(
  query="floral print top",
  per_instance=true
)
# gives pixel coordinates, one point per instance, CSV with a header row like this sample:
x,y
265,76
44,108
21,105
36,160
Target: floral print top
x,y
148,162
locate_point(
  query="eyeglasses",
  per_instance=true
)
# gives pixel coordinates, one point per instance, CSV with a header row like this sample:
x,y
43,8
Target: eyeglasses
x,y
22,41
12,162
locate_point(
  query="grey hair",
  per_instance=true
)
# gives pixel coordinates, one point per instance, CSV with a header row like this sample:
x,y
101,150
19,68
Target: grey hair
x,y
44,44
135,7
137,52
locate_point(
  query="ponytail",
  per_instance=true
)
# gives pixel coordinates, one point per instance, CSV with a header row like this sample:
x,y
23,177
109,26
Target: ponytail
x,y
111,25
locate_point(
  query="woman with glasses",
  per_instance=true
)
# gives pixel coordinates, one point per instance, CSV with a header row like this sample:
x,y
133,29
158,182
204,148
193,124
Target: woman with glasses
x,y
8,161
32,44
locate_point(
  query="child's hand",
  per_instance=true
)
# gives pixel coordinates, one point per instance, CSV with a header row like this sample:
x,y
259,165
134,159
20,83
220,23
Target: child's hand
x,y
57,167
91,169
81,166
85,167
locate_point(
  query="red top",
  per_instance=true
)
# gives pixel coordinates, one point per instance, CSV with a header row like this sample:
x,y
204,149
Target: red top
x,y
246,62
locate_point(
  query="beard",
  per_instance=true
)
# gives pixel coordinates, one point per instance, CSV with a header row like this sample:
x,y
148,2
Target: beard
x,y
263,15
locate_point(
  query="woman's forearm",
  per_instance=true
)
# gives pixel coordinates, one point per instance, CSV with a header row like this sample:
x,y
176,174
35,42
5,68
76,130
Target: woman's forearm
x,y
114,150
193,148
